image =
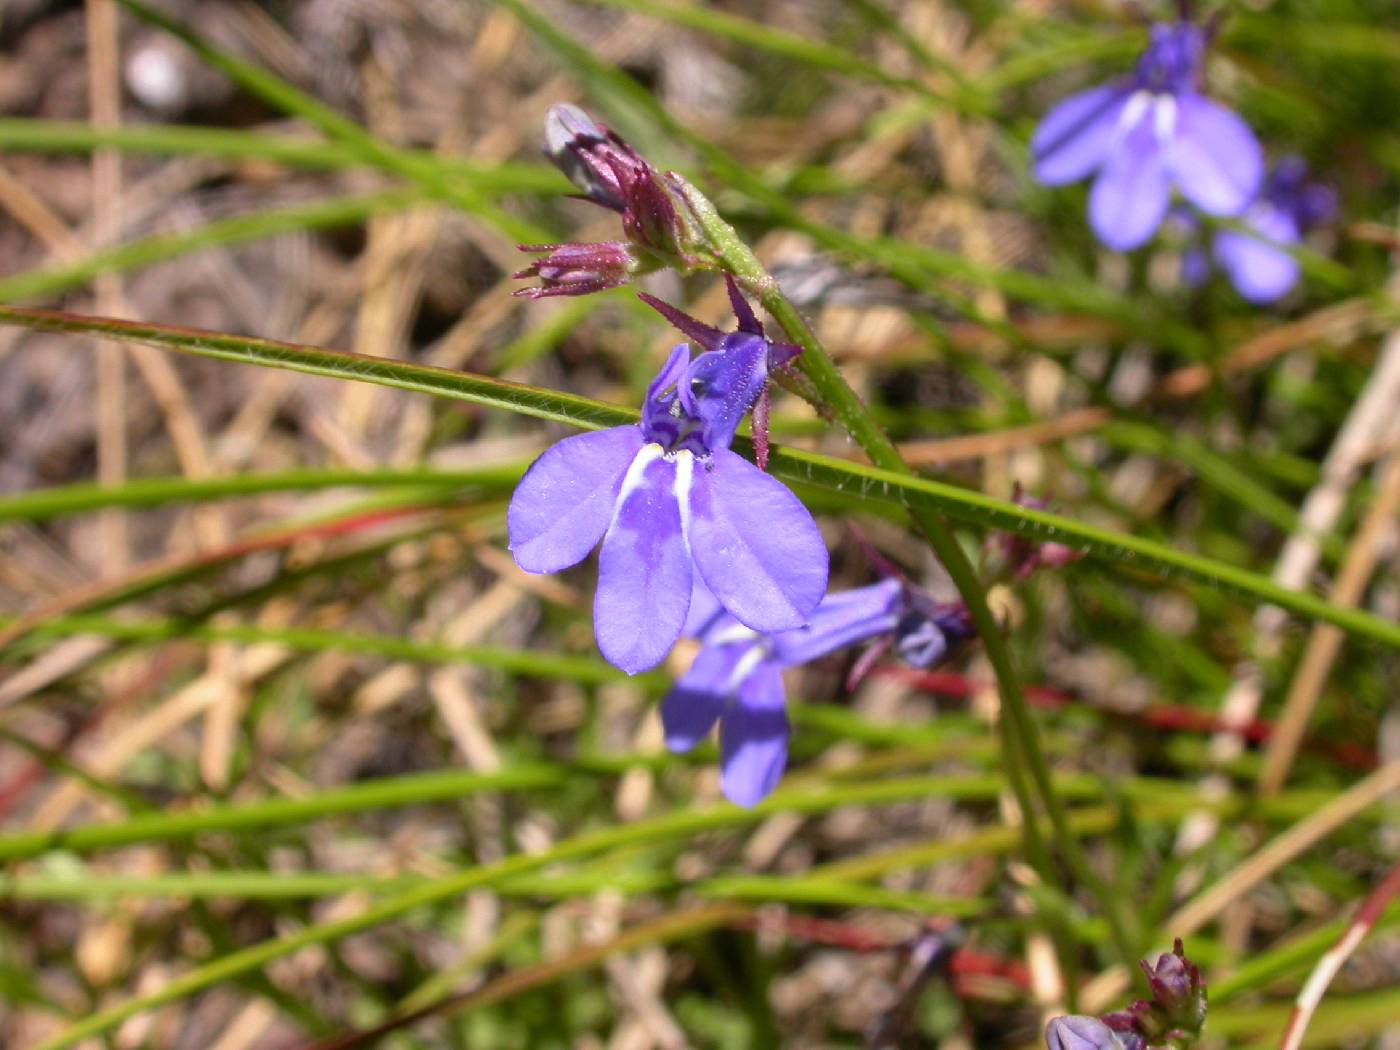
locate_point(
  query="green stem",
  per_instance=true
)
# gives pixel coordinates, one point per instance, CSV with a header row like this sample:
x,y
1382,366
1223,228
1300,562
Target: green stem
x,y
1017,726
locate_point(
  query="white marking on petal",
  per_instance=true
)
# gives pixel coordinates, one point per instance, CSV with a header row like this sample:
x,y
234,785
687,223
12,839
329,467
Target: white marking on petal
x,y
735,632
1133,111
745,667
1164,115
633,478
685,475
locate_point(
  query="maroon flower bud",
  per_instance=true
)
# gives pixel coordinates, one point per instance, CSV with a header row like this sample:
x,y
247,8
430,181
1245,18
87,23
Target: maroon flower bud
x,y
577,269
611,173
1020,556
1178,990
1128,1024
1077,1032
589,154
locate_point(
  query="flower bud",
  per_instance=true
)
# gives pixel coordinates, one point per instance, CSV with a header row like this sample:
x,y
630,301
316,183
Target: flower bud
x,y
612,174
929,632
577,269
1178,990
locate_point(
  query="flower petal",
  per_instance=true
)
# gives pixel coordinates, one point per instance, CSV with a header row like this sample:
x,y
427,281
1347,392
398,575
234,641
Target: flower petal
x,y
1076,135
1259,271
721,385
1215,159
643,569
706,615
563,504
755,544
753,738
1130,194
841,620
657,422
697,700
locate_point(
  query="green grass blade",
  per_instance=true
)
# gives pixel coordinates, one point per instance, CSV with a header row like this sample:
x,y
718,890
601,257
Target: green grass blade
x,y
532,664
19,134
815,53
148,251
42,504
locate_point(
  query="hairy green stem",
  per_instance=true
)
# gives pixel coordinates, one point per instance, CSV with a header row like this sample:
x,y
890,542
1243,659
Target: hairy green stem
x,y
1020,740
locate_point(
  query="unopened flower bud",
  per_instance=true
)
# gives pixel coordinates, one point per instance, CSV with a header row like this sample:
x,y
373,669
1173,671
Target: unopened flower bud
x,y
612,174
929,632
1178,990
577,269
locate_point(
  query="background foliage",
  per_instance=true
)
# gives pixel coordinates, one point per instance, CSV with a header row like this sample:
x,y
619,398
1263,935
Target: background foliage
x,y
288,748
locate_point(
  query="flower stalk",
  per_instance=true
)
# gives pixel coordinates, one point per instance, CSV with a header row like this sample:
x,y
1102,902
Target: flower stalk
x,y
1020,742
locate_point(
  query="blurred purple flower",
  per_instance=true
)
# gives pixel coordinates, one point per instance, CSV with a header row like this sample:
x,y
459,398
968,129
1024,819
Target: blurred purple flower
x,y
1077,1032
1146,133
1288,205
736,678
671,503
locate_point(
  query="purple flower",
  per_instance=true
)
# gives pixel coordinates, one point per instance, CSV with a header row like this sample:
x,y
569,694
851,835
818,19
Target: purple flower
x,y
1077,1032
1143,135
1288,205
672,504
736,679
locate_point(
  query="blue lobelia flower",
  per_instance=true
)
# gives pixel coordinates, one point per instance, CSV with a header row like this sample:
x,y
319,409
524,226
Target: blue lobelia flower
x,y
1146,133
671,503
736,678
1287,207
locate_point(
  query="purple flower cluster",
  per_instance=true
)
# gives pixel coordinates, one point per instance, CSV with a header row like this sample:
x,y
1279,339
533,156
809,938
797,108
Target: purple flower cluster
x,y
1147,134
1153,132
692,537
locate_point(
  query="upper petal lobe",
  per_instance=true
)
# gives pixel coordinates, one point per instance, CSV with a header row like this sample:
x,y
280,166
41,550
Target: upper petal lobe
x,y
840,620
755,544
563,504
1075,137
643,569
